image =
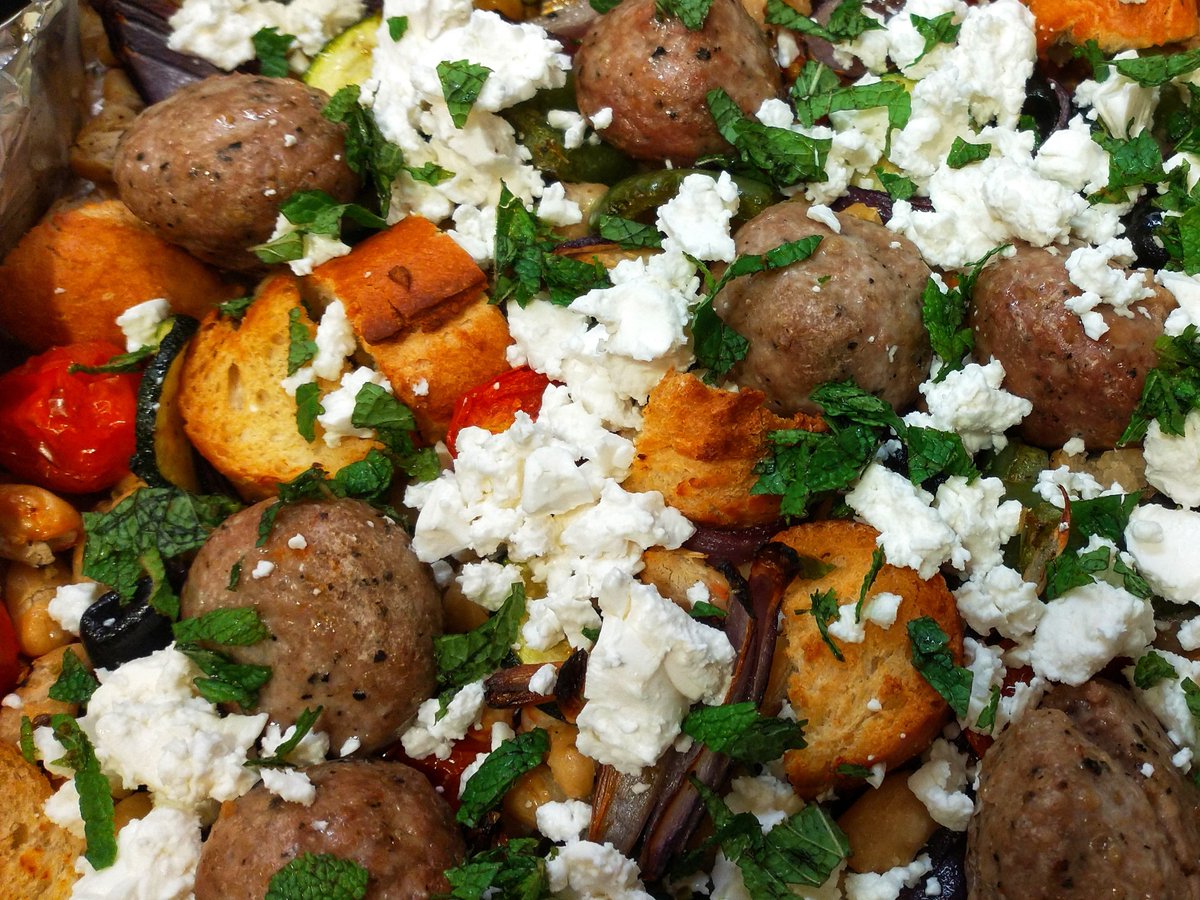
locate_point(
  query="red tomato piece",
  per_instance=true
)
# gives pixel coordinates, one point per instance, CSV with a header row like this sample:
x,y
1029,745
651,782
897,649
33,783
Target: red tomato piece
x,y
70,433
495,403
447,773
10,661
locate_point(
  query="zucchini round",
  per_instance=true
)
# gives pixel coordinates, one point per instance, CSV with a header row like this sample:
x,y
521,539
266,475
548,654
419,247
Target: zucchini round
x,y
346,59
163,454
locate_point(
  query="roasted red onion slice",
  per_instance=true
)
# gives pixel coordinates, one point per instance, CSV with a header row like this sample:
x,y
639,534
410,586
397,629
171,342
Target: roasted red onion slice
x,y
732,545
570,21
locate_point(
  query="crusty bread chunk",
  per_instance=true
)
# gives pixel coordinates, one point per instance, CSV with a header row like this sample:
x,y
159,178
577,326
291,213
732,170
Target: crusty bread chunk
x,y
71,275
416,302
235,410
698,448
1114,24
95,146
834,696
37,857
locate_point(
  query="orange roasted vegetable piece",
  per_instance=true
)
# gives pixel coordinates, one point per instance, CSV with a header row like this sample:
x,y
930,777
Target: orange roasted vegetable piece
x,y
1113,24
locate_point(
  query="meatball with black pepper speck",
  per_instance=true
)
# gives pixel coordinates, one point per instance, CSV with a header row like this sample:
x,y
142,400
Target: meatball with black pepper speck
x,y
208,167
351,610
851,311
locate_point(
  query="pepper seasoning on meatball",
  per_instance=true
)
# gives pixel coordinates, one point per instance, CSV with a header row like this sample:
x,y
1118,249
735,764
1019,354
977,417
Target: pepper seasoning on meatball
x,y
208,167
351,610
653,73
851,311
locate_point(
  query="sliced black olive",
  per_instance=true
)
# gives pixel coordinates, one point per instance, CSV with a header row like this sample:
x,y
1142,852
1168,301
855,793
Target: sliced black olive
x,y
1141,225
1047,107
114,633
947,850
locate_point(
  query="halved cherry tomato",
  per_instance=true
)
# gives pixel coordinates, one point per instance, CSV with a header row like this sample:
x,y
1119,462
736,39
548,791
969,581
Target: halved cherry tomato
x,y
495,403
447,773
71,433
10,661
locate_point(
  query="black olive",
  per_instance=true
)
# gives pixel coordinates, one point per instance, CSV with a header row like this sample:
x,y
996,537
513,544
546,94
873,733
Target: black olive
x,y
1140,226
1046,106
947,851
114,633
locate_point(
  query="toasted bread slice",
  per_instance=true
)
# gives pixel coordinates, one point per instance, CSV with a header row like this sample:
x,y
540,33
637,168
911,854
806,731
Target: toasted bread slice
x,y
234,407
416,302
1114,24
37,857
834,696
71,275
698,448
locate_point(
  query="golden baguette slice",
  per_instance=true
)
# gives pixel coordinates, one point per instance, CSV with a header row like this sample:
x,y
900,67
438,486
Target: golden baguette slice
x,y
1114,24
416,302
37,857
836,696
699,446
234,407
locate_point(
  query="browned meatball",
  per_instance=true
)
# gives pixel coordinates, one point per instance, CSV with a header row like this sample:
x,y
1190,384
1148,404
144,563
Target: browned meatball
x,y
383,815
1079,387
351,611
850,311
653,74
208,167
1066,809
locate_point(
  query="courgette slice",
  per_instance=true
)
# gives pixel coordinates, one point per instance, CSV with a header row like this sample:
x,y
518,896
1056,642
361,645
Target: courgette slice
x,y
346,59
163,454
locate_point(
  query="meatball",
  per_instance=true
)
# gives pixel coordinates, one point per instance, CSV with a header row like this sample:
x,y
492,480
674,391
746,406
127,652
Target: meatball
x,y
351,611
1079,387
1068,807
208,167
850,311
383,815
653,74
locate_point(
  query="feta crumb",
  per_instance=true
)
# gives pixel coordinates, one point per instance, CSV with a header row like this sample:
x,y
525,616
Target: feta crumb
x,y
1147,769
1172,460
1163,543
262,568
1087,627
1074,447
157,856
431,736
940,783
297,542
291,785
602,118
339,405
12,701
886,885
583,869
696,220
71,601
543,680
421,388
874,705
349,746
698,593
819,212
563,821
971,403
140,323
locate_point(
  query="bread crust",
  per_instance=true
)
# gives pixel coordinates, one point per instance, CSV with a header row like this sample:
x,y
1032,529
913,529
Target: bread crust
x,y
833,695
72,274
1113,24
234,407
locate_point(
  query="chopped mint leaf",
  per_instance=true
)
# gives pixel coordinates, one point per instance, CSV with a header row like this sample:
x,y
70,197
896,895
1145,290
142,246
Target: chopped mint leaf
x,y
312,212
25,742
119,364
783,157
95,793
430,173
503,766
931,657
739,731
225,681
944,313
814,79
1191,695
1131,163
397,26
1090,52
897,186
237,626
235,575
1071,570
1105,517
235,309
323,875
1172,388
283,249
590,632
802,464
1151,668
853,770
1155,71
308,407
463,658
824,608
961,153
933,453
462,80
75,684
514,870
394,426
368,152
877,561
691,13
271,49
813,106
938,30
987,716
706,610
302,348
603,6
845,23
628,233
279,759
1131,580
152,522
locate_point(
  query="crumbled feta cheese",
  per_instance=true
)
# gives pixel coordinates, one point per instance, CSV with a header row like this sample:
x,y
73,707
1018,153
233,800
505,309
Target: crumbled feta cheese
x,y
1078,485
571,124
971,403
980,517
262,568
602,118
12,701
940,784
1163,543
488,583
140,324
696,220
431,736
1124,106
1168,702
1188,635
1089,270
582,870
650,663
543,680
317,248
819,212
1173,461
291,785
1186,291
339,405
351,745
335,341
157,856
310,751
70,602
767,798
554,209
999,599
910,532
1070,157
563,821
297,542
1086,628
1074,447
698,593
886,885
